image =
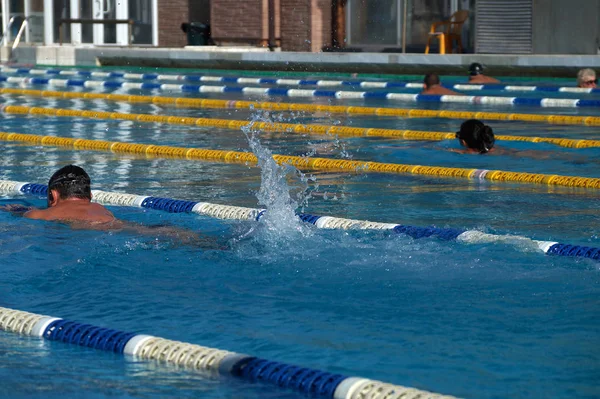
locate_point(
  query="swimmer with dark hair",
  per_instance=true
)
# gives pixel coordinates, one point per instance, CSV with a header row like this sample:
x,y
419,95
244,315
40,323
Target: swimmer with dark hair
x,y
432,86
476,75
70,199
70,202
476,136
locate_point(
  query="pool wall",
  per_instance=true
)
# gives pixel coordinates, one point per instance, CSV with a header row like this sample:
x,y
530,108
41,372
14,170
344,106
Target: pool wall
x,y
222,58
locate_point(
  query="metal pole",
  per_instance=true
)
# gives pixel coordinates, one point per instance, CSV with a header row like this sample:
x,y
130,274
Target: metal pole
x,y
122,12
75,28
27,6
404,13
48,22
5,21
271,25
98,29
155,22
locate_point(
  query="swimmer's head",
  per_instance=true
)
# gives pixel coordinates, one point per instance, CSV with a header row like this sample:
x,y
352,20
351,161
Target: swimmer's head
x,y
586,78
475,69
70,182
475,135
431,79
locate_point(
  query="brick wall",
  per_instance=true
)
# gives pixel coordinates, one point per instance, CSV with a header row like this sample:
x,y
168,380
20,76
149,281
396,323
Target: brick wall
x,y
295,25
239,19
305,25
171,14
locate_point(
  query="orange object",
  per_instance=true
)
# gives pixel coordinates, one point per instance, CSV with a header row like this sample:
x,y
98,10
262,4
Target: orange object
x,y
450,33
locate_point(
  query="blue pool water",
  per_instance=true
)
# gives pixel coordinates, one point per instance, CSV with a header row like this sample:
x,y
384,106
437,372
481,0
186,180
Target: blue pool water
x,y
477,321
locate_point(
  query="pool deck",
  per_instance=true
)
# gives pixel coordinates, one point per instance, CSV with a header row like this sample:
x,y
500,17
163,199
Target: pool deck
x,y
261,59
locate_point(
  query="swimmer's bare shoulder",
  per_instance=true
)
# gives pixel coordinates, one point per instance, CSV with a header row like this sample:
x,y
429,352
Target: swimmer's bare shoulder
x,y
74,211
41,214
440,91
97,217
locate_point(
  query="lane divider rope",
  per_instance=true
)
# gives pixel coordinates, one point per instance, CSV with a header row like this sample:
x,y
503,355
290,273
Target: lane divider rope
x,y
301,93
322,222
302,162
340,131
311,382
333,109
290,82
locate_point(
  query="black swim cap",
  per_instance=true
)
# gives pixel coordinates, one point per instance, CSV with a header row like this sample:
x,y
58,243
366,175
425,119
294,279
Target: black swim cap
x,y
475,69
71,182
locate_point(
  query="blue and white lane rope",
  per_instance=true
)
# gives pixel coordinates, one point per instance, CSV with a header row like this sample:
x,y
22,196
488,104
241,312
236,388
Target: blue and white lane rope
x,y
325,222
315,383
289,82
419,98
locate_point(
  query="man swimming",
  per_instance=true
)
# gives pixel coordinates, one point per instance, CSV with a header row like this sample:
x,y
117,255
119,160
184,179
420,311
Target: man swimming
x,y
476,75
70,200
432,86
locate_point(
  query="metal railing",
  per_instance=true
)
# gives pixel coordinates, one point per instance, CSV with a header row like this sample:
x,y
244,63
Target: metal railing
x,y
129,23
24,24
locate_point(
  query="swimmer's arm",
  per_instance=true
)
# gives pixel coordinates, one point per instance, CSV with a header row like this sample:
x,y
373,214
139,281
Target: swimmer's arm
x,y
26,211
16,209
182,236
462,151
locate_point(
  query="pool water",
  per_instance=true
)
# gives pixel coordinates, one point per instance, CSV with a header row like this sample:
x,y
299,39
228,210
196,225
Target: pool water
x,y
488,321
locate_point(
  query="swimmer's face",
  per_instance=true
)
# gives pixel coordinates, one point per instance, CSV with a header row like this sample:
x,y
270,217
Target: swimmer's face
x,y
589,82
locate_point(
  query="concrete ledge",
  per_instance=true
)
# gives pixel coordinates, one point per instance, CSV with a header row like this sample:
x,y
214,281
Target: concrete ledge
x,y
392,63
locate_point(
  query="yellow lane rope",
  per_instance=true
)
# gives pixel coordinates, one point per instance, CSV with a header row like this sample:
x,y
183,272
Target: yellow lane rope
x,y
302,162
339,131
279,106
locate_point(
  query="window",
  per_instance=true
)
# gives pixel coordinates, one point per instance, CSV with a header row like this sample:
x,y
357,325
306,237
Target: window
x,y
373,22
141,13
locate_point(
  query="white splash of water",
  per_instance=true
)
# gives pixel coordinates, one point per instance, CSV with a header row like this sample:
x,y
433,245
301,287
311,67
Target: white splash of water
x,y
280,220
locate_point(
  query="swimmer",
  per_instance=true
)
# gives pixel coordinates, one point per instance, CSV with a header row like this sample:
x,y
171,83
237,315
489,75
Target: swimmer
x,y
479,138
476,75
70,202
586,78
432,86
476,137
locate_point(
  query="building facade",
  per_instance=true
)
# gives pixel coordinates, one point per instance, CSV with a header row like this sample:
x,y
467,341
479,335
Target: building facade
x,y
494,26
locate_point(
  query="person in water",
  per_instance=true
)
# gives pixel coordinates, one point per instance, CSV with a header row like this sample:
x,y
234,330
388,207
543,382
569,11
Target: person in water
x,y
432,86
476,75
476,136
586,78
70,200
